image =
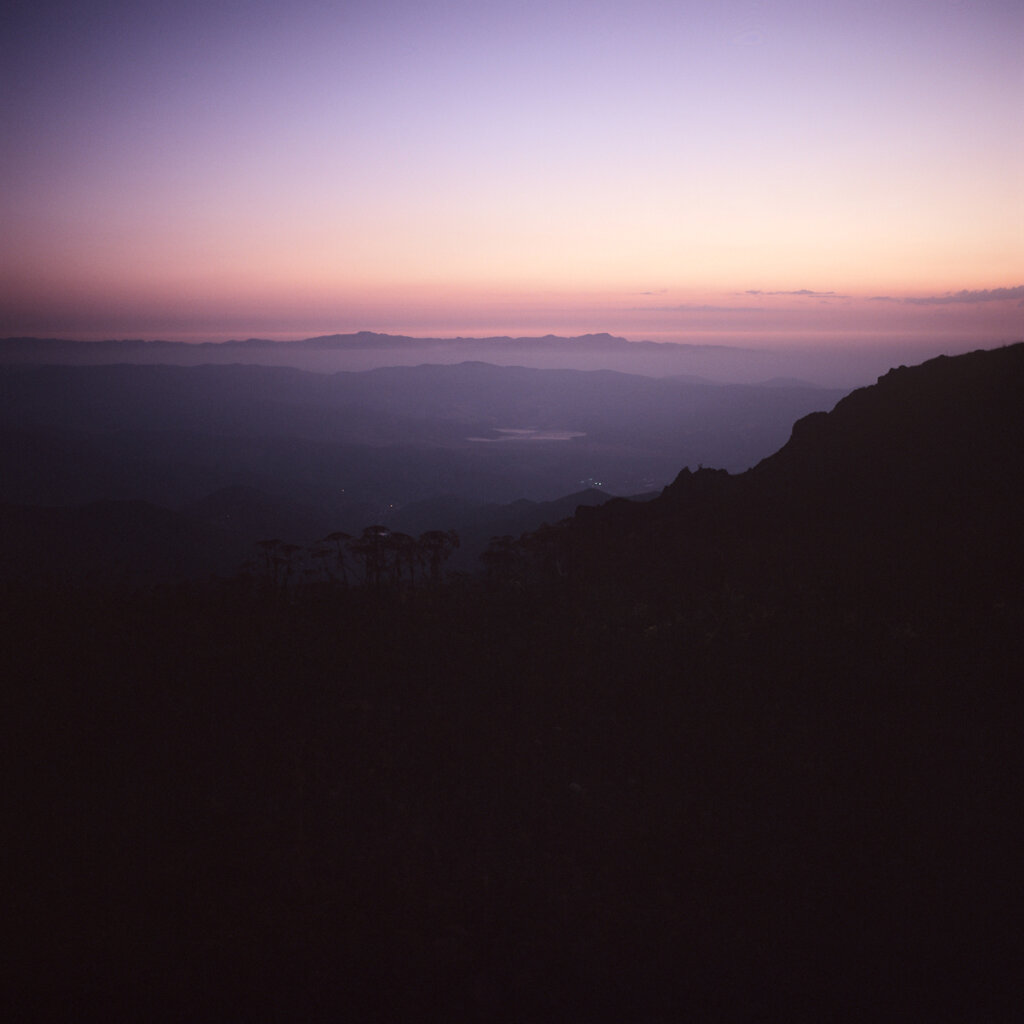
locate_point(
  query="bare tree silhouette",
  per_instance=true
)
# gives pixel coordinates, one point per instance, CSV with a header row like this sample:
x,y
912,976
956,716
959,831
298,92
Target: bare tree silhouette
x,y
372,549
340,540
405,555
271,560
437,546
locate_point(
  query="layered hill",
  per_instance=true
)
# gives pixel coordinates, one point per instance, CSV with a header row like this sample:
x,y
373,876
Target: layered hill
x,y
268,451
827,364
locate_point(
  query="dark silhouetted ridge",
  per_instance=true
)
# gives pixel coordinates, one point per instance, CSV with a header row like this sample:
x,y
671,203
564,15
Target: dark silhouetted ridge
x,y
909,490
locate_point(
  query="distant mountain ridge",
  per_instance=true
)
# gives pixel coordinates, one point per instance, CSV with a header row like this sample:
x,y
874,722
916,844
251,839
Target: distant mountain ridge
x,y
365,350
359,339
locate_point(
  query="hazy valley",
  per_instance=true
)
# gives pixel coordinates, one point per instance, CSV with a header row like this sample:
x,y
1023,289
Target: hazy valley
x,y
234,454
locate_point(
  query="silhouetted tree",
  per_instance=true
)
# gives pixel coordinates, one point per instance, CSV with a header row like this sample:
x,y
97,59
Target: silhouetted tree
x,y
288,558
271,559
404,552
340,539
437,546
371,548
318,569
548,550
503,559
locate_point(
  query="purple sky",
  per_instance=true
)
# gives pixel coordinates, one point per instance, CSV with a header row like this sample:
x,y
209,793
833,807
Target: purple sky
x,y
771,172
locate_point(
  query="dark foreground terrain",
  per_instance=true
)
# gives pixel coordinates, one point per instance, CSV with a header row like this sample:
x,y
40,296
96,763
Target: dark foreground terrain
x,y
749,751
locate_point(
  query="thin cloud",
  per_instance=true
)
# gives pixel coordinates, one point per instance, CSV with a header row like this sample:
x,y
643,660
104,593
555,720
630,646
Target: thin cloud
x,y
984,295
806,293
963,296
695,309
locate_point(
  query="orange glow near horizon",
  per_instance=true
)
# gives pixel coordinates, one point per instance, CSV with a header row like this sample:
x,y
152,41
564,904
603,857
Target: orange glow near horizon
x,y
488,170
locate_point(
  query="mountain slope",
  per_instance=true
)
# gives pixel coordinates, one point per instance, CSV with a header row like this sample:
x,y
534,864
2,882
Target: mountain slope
x,y
908,491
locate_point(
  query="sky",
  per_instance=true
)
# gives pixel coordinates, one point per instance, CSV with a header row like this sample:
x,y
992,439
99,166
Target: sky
x,y
768,172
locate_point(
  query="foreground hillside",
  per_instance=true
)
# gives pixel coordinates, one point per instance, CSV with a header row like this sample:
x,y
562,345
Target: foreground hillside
x,y
749,751
907,494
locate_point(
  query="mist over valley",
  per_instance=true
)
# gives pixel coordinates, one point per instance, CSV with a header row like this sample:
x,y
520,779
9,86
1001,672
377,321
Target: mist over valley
x,y
254,451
